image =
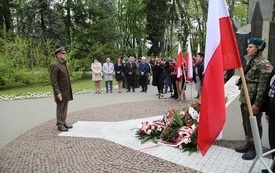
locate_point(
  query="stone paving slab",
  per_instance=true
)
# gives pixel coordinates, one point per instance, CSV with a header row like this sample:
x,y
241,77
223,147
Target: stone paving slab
x,y
217,159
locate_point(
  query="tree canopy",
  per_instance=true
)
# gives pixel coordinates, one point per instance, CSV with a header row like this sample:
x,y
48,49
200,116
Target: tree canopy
x,y
30,30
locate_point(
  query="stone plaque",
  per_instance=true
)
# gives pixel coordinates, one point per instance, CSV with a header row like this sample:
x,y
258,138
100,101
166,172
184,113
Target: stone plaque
x,y
271,47
257,22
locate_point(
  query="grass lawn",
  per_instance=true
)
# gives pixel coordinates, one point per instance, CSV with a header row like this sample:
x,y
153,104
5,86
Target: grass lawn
x,y
76,86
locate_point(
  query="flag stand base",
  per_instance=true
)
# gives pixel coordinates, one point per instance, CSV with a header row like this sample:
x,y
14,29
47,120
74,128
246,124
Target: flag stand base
x,y
258,145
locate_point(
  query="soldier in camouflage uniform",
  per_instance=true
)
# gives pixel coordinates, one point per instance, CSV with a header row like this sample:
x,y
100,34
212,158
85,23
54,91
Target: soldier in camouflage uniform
x,y
256,75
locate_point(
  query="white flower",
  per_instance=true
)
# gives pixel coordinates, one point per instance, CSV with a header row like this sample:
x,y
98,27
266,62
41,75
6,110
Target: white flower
x,y
187,140
193,127
153,127
182,113
149,131
159,128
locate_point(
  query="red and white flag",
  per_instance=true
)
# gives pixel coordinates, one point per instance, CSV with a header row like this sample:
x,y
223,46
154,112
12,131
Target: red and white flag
x,y
189,61
221,54
180,61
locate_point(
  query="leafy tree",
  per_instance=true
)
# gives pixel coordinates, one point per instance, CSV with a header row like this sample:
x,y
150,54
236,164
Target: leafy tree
x,y
156,11
131,25
39,20
30,30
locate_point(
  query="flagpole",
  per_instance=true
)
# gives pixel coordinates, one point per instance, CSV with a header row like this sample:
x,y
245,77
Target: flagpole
x,y
184,85
246,92
254,127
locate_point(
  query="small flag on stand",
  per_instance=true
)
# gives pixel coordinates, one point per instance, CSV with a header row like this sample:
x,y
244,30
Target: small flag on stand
x,y
180,61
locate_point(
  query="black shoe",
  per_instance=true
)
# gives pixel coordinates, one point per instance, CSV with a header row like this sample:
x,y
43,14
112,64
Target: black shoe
x,y
142,91
243,149
128,91
250,154
266,171
62,129
68,126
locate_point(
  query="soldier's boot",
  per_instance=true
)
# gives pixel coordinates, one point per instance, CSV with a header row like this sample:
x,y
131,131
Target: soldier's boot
x,y
250,154
243,149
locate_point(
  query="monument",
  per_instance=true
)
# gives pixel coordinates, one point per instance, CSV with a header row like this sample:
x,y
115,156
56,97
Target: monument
x,y
266,7
261,26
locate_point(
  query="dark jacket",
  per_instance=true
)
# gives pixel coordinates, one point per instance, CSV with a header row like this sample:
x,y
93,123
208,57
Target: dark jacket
x,y
60,80
130,68
158,79
119,68
145,68
265,105
200,67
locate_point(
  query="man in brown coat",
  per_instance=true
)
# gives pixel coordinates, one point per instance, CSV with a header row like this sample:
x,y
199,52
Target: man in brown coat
x,y
62,89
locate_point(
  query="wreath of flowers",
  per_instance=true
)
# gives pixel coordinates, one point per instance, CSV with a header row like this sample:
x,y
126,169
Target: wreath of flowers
x,y
177,128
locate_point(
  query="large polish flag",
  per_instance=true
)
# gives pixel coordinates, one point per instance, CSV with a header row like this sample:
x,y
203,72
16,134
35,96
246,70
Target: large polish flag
x,y
221,54
189,61
180,61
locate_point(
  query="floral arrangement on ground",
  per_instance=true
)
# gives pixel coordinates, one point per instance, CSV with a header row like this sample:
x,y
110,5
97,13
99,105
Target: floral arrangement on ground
x,y
177,128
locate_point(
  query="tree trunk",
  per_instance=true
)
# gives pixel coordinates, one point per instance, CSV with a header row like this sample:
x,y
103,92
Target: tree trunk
x,y
6,13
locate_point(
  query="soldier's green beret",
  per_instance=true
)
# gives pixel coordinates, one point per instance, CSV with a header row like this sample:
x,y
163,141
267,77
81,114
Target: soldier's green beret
x,y
60,50
257,41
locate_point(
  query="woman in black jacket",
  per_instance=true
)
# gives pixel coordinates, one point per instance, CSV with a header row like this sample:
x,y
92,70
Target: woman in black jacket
x,y
158,79
119,73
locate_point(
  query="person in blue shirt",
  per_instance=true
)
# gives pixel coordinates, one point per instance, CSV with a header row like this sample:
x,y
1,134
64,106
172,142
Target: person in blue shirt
x,y
143,69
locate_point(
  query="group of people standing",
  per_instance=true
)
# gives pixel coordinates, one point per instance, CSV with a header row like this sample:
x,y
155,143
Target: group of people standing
x,y
131,74
125,74
260,79
165,75
259,75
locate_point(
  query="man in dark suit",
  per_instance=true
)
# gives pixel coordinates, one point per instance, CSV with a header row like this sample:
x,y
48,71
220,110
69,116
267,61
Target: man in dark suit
x,y
131,69
62,89
269,109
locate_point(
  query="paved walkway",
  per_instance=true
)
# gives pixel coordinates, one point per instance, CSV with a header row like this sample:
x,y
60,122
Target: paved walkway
x,y
18,117
217,160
